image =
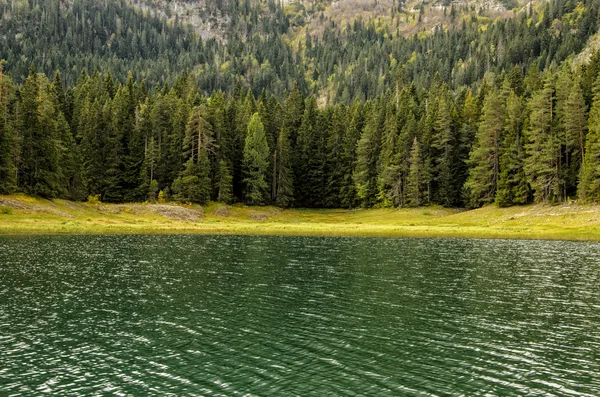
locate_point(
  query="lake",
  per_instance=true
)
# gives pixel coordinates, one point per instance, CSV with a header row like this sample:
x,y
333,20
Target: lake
x,y
264,316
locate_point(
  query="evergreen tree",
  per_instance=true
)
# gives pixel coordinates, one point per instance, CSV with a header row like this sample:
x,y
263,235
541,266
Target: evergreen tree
x,y
512,184
541,163
335,157
308,170
118,111
39,169
284,178
222,158
485,156
415,178
589,181
355,120
367,155
224,182
389,176
147,173
91,134
256,162
575,126
8,139
193,185
445,142
194,182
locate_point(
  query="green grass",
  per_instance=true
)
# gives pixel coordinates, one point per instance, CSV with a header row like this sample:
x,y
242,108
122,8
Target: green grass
x,y
20,214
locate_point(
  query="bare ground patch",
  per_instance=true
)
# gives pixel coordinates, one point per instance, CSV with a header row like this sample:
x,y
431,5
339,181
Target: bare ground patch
x,y
223,212
23,205
258,216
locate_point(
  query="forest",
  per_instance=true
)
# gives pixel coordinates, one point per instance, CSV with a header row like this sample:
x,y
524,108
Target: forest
x,y
359,117
261,49
518,139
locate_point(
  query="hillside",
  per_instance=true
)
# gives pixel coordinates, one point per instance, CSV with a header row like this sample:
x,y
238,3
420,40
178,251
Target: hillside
x,y
404,18
265,45
212,18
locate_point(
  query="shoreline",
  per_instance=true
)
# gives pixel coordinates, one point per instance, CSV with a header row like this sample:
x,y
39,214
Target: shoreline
x,y
25,215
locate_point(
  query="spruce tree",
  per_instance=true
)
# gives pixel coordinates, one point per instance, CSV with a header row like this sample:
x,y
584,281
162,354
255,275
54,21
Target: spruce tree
x,y
8,139
415,177
566,126
355,121
334,159
193,185
91,132
389,179
256,162
576,127
482,182
367,156
307,164
222,159
194,182
444,141
542,147
224,182
284,177
39,170
589,180
513,187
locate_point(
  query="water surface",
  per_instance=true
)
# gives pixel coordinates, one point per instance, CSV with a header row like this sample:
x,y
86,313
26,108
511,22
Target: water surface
x,y
229,315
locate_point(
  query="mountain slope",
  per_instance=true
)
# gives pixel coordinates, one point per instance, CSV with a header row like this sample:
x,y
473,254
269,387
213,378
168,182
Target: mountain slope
x,y
271,46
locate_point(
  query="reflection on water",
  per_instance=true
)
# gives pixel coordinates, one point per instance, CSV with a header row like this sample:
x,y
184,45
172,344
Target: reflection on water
x,y
229,315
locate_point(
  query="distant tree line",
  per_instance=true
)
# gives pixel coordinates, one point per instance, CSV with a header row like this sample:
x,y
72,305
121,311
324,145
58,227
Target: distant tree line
x,y
515,139
261,51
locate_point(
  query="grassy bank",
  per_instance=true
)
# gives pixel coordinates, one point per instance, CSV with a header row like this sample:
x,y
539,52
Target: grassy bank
x,y
21,214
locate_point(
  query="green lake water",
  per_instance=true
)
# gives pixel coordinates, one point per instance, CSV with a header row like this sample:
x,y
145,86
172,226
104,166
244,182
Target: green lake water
x,y
285,316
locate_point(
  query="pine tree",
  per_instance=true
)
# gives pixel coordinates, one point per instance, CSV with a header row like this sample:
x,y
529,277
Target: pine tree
x,y
402,163
355,120
120,177
367,155
308,164
415,178
224,182
284,177
222,158
512,184
575,125
39,170
335,157
71,181
8,139
541,163
91,134
485,155
256,162
389,179
147,173
589,180
567,135
194,182
448,186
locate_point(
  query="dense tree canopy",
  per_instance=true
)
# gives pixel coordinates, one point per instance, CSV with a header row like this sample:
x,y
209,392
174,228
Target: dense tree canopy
x,y
259,51
353,117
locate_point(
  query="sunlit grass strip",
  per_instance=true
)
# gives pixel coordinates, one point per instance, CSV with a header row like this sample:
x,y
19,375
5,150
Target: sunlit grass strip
x,y
29,215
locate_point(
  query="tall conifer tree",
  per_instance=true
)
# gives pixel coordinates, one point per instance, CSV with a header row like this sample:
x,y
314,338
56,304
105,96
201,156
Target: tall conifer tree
x,y
256,162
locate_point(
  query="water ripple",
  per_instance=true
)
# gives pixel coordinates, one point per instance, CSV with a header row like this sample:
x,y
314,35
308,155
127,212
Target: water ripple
x,y
228,315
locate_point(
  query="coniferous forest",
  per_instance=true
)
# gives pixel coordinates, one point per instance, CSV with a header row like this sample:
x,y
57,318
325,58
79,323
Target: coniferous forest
x,y
103,100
